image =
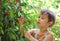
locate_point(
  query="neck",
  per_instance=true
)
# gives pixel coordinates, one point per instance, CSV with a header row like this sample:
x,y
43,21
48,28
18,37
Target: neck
x,y
43,30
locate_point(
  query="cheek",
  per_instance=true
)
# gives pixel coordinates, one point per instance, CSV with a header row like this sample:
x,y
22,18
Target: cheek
x,y
44,22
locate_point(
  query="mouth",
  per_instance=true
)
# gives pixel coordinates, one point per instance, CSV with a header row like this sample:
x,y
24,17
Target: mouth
x,y
38,22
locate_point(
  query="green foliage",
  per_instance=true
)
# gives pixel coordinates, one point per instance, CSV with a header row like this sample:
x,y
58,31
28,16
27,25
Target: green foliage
x,y
10,10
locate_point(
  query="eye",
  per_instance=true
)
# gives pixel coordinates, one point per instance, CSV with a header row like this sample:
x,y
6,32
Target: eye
x,y
42,18
39,17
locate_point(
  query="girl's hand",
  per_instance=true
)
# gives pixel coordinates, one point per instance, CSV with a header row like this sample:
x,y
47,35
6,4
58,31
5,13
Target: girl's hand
x,y
27,34
21,19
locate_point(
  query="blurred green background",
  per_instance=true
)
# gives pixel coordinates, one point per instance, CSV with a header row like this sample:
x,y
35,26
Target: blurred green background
x,y
10,10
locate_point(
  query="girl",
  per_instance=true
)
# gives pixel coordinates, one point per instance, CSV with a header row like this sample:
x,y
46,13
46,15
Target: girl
x,y
45,20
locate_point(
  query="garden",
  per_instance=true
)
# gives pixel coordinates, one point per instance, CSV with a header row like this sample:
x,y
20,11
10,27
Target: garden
x,y
11,10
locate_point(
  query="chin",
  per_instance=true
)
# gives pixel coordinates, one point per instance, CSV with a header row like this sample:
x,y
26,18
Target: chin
x,y
38,24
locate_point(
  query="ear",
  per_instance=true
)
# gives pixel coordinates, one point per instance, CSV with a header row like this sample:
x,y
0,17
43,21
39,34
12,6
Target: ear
x,y
50,23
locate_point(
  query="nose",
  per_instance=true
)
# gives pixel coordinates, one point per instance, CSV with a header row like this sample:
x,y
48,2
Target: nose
x,y
38,19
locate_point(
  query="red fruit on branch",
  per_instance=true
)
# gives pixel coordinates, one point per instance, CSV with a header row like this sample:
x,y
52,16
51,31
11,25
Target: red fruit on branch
x,y
0,1
20,11
17,1
18,7
6,14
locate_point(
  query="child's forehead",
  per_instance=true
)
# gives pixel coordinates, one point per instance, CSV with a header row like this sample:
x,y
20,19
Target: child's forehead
x,y
45,14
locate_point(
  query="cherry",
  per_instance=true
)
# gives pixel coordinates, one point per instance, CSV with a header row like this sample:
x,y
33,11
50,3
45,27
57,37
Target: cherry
x,y
6,14
20,11
0,1
17,1
18,7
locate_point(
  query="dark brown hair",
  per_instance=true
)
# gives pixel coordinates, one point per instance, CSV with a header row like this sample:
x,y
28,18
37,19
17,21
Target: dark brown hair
x,y
51,16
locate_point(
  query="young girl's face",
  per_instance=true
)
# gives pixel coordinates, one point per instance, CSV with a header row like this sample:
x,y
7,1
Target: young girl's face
x,y
43,20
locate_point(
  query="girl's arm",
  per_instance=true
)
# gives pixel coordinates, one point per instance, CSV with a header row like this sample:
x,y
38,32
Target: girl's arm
x,y
28,33
29,36
21,20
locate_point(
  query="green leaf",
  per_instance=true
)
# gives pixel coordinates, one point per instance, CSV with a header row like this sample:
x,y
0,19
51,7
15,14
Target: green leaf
x,y
11,14
11,35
